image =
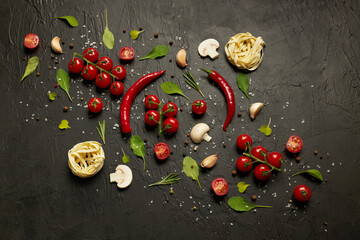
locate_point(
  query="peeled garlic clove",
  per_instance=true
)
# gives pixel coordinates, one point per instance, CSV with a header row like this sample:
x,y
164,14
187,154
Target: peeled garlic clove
x,y
55,45
181,58
210,161
255,109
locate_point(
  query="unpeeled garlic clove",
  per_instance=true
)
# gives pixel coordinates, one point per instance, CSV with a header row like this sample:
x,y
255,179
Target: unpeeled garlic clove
x,y
181,58
210,161
55,45
255,109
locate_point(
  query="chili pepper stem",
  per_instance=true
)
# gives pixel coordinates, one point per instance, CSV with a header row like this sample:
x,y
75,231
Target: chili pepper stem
x,y
208,71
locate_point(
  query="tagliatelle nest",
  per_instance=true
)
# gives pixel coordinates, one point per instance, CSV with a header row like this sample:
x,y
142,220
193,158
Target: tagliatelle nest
x,y
86,159
245,51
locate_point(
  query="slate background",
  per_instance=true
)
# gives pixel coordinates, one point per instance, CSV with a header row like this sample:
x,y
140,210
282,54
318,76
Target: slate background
x,y
309,81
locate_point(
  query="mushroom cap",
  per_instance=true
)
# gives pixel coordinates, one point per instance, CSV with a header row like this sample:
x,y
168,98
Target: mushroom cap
x,y
123,176
202,49
198,131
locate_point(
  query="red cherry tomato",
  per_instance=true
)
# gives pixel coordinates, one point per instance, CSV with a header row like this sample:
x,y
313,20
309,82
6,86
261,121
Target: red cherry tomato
x,y
162,151
75,65
119,71
294,144
170,109
262,172
126,53
31,40
275,159
242,140
302,193
152,102
117,88
220,186
95,105
91,54
199,107
105,63
103,80
257,152
89,72
152,117
171,125
243,164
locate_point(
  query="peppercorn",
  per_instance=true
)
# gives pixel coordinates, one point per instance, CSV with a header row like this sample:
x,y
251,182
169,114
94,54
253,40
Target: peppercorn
x,y
55,85
66,108
124,30
172,76
171,42
239,114
82,99
234,172
145,140
24,58
326,180
186,142
325,223
181,109
146,94
169,101
298,158
321,157
194,208
37,74
171,191
90,116
71,45
290,201
56,61
52,56
184,155
63,42
171,152
170,60
156,35
140,28
188,135
50,67
316,152
37,119
253,197
224,145
195,149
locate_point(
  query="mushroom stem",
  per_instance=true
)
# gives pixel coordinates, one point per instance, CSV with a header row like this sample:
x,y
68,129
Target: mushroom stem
x,y
207,137
213,53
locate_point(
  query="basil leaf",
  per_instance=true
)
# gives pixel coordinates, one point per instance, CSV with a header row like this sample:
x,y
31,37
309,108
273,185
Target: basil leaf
x,y
243,83
138,147
312,172
266,129
135,34
108,37
191,169
125,158
158,51
241,205
52,96
30,67
242,186
63,80
172,88
70,19
64,124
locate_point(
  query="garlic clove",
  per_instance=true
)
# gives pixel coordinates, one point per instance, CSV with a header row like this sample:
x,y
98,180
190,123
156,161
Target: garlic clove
x,y
255,109
210,161
181,58
55,45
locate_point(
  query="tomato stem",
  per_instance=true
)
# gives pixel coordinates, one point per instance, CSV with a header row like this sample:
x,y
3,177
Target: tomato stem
x,y
261,161
159,123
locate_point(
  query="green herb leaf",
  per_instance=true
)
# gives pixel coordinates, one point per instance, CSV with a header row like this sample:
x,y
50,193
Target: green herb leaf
x,y
64,124
158,51
52,96
312,172
192,83
191,169
108,37
30,67
172,88
63,80
266,129
138,147
135,34
125,158
169,179
241,205
101,130
70,19
242,186
243,83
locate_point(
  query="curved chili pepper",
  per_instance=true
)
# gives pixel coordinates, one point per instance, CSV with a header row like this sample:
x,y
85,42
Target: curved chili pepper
x,y
229,94
130,96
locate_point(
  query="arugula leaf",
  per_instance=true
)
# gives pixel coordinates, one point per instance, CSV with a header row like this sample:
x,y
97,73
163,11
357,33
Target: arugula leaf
x,y
64,124
266,129
138,147
30,67
172,88
312,172
52,96
70,19
242,186
243,83
125,158
191,169
108,36
241,205
135,33
63,80
158,51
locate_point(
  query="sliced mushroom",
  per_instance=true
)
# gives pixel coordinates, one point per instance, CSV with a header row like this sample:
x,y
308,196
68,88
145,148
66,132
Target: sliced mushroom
x,y
199,133
208,48
255,109
122,176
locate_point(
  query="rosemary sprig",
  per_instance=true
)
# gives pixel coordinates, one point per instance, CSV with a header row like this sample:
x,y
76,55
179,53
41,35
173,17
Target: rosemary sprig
x,y
169,179
101,130
192,83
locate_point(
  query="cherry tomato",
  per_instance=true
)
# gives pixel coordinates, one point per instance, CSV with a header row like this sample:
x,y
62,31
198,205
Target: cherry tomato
x,y
75,65
242,140
105,63
152,102
116,88
103,80
31,40
220,186
89,72
256,152
95,105
162,151
152,117
199,107
294,144
91,54
243,164
119,71
170,109
275,159
262,172
126,53
302,193
171,125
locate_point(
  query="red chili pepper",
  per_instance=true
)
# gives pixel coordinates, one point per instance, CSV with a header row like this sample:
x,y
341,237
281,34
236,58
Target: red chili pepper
x,y
229,94
129,98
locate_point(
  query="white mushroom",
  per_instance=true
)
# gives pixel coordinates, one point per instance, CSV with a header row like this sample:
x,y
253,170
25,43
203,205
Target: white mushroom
x,y
122,176
181,58
199,133
208,48
255,109
55,45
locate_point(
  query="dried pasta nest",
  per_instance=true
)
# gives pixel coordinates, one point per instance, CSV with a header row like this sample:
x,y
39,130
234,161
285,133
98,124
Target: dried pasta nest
x,y
86,159
245,51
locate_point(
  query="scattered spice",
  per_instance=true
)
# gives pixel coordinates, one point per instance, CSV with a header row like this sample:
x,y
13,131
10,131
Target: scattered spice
x,y
224,145
56,61
170,60
321,157
52,56
290,201
184,154
298,158
253,197
239,114
325,223
186,142
171,191
171,42
194,208
146,94
316,152
140,28
181,109
156,35
50,67
66,108
124,30
63,42
90,116
145,140
82,99
24,58
326,180
37,119
71,45
37,74
293,208
188,135
234,172
55,85
171,152
172,76
195,149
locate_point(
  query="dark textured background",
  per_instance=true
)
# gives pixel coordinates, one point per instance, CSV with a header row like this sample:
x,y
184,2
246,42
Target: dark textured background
x,y
308,80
